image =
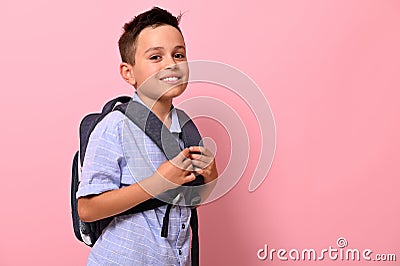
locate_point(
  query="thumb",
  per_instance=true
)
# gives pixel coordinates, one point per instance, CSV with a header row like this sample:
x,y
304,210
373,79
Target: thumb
x,y
182,156
185,153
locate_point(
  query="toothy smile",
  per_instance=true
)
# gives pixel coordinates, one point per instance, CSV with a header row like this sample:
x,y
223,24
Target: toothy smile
x,y
171,79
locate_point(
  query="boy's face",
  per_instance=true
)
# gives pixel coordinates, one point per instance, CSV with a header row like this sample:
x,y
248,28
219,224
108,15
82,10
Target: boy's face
x,y
160,70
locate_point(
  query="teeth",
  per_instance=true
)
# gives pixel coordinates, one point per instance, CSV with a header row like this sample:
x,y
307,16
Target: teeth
x,y
170,79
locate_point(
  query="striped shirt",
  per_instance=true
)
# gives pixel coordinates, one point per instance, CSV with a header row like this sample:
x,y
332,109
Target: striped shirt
x,y
119,154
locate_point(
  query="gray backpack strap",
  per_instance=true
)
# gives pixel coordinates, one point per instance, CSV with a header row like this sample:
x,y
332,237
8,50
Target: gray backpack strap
x,y
152,126
190,133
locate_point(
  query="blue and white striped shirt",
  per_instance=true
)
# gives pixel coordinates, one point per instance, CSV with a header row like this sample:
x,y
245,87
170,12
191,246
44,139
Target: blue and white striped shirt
x,y
119,154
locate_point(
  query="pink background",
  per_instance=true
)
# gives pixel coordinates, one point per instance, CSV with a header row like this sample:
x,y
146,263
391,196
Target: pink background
x,y
329,69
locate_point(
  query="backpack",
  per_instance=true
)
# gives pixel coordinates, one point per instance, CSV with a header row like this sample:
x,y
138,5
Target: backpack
x,y
148,122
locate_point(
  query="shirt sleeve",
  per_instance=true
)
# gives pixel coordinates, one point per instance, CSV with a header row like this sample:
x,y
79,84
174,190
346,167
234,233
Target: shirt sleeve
x,y
101,169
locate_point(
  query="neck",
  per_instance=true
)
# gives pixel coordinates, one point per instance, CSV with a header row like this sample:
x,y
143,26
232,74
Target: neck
x,y
161,108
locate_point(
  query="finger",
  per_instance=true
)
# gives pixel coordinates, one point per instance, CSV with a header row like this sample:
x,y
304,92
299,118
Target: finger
x,y
184,165
200,150
199,164
203,158
190,178
185,152
182,156
189,167
198,171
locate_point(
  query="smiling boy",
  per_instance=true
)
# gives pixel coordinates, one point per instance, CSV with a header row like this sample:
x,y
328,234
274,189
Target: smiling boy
x,y
154,61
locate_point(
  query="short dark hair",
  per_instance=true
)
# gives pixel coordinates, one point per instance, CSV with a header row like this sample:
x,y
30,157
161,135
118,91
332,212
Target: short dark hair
x,y
152,18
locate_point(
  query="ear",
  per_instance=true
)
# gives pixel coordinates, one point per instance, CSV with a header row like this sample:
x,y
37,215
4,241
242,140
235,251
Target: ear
x,y
126,71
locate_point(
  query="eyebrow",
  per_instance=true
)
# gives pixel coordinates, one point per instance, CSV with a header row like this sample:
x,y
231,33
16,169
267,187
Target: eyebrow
x,y
162,48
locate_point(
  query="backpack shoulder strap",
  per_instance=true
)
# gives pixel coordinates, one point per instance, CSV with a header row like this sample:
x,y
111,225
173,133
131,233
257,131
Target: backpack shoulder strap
x,y
90,121
146,120
190,133
152,126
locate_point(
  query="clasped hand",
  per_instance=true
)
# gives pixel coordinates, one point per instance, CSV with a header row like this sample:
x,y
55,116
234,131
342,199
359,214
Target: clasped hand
x,y
189,162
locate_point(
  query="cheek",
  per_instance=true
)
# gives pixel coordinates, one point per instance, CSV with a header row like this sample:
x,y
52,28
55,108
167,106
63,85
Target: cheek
x,y
184,67
149,85
143,70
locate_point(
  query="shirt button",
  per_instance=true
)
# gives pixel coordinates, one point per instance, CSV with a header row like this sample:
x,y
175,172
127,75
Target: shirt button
x,y
180,252
183,226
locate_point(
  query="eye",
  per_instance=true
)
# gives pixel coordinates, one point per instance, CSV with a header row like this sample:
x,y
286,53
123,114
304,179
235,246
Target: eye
x,y
179,56
155,57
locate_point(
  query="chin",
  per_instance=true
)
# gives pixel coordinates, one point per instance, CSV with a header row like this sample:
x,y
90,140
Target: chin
x,y
175,91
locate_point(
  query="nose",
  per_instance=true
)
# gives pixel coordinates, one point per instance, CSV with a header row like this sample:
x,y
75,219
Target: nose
x,y
170,63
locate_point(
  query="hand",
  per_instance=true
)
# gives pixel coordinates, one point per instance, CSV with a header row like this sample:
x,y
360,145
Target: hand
x,y
203,163
179,170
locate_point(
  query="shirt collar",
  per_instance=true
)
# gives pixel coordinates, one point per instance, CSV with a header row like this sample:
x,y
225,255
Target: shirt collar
x,y
175,126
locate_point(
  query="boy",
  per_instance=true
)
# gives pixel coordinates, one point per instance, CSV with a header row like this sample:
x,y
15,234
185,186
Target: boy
x,y
154,61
